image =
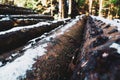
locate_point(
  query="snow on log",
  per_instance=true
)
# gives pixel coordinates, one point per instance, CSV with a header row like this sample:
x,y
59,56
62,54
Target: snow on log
x,y
99,58
111,22
28,16
18,36
6,24
46,59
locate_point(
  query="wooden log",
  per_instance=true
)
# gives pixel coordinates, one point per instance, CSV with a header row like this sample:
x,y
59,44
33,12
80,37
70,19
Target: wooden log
x,y
53,54
28,16
9,9
99,58
8,24
18,36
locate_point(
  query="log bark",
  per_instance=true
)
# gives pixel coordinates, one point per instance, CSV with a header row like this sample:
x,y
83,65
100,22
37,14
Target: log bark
x,y
56,64
97,59
13,39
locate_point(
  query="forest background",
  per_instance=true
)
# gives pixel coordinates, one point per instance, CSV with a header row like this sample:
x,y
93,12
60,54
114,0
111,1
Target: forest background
x,y
70,8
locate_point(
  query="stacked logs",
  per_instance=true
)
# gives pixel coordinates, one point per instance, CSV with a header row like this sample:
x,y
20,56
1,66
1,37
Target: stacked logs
x,y
10,21
18,36
59,45
76,49
19,25
99,58
12,16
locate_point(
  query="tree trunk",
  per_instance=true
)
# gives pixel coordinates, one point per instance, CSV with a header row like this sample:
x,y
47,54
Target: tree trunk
x,y
51,8
100,7
117,12
61,9
70,8
109,13
90,6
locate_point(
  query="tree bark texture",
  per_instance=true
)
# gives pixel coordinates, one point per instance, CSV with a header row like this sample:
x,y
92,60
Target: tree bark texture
x,y
97,60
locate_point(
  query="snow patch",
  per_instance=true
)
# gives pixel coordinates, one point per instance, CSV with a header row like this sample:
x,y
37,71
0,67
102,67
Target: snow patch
x,y
116,46
65,19
107,21
5,19
0,63
105,55
17,69
116,20
13,55
9,58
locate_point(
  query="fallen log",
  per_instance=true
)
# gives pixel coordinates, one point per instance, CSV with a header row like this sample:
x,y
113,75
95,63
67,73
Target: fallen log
x,y
51,56
9,9
18,36
8,24
28,16
99,58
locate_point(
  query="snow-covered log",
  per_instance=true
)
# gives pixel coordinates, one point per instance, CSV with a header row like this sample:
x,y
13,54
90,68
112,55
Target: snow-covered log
x,y
99,58
28,16
18,36
46,59
6,24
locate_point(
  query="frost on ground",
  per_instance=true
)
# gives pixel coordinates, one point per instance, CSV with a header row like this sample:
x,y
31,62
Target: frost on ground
x,y
107,21
16,70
